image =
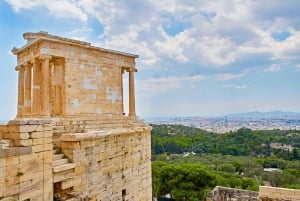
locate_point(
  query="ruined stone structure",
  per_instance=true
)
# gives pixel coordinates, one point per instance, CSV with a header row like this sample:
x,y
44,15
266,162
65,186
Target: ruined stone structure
x,y
71,139
220,193
265,193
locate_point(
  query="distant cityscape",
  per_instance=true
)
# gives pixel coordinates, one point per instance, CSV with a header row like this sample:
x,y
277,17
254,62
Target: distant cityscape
x,y
232,122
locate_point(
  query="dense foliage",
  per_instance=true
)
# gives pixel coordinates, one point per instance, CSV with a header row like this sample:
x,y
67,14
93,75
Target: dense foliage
x,y
244,142
191,181
188,162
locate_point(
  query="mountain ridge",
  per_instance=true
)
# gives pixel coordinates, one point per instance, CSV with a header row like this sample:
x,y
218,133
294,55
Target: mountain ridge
x,y
268,114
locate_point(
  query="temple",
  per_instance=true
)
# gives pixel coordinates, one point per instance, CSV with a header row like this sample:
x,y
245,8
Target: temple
x,y
71,139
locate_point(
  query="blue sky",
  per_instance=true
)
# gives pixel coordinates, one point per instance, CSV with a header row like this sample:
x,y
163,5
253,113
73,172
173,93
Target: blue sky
x,y
200,58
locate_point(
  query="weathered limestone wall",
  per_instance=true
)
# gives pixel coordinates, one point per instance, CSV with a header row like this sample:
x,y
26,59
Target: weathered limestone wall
x,y
26,165
111,165
224,194
267,193
77,124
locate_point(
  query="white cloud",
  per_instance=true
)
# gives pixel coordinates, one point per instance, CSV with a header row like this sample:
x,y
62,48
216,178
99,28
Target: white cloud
x,y
66,9
218,33
273,68
173,46
58,8
229,76
18,5
234,86
155,86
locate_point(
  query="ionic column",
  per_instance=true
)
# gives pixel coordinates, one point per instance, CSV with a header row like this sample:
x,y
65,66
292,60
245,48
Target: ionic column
x,y
20,109
27,103
131,92
122,72
45,86
36,88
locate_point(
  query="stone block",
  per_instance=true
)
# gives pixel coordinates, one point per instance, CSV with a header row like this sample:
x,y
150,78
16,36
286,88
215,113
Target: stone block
x,y
77,136
2,162
47,140
28,176
29,122
12,170
25,186
64,167
60,176
33,193
48,134
48,157
37,141
70,145
37,183
22,128
31,166
16,135
3,172
38,148
12,160
2,191
12,189
47,127
10,198
48,147
35,135
70,183
39,128
22,143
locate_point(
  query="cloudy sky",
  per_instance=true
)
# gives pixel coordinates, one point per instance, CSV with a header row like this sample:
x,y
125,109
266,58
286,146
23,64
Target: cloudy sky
x,y
197,57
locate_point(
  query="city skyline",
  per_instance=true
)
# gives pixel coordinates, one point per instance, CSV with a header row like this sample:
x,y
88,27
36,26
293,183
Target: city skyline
x,y
197,58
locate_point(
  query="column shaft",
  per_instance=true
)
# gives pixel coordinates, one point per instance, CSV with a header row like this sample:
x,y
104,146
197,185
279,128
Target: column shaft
x,y
122,72
20,109
27,103
45,86
131,93
36,88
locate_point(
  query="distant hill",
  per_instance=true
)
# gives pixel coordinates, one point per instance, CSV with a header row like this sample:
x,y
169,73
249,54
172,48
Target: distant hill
x,y
270,114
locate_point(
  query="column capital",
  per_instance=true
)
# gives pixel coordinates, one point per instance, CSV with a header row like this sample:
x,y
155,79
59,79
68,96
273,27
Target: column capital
x,y
32,61
128,69
28,64
20,67
45,56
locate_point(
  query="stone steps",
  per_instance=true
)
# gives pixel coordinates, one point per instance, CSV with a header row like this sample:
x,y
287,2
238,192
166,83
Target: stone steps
x,y
58,156
60,162
63,167
64,175
55,151
63,170
69,183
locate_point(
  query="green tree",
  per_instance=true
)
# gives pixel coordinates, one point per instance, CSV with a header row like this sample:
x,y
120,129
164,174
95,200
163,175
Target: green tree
x,y
184,181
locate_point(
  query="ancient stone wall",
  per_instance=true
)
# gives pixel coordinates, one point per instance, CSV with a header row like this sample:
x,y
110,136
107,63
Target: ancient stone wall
x,y
225,194
26,164
110,165
267,193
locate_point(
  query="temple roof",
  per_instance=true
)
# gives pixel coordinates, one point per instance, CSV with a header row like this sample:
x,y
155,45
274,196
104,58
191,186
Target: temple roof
x,y
32,38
